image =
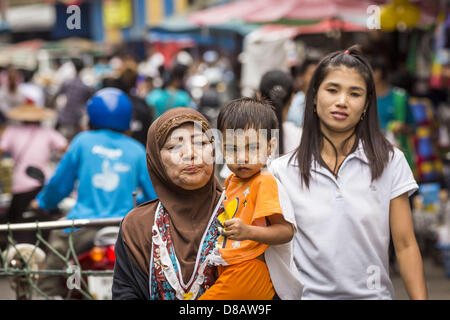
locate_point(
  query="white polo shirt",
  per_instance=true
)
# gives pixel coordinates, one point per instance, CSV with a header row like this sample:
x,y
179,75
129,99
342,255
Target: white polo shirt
x,y
341,246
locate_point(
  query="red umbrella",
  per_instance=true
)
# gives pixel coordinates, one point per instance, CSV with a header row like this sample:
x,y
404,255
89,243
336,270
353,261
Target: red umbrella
x,y
320,27
309,10
330,24
227,12
264,11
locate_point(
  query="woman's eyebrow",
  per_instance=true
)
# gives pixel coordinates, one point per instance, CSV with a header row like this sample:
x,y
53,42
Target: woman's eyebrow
x,y
181,136
335,84
357,88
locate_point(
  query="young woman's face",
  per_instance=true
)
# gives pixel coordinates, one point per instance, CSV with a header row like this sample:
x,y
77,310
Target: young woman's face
x,y
188,157
341,100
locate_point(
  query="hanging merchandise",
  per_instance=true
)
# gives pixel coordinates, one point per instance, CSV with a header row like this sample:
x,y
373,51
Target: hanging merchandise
x,y
441,54
428,162
430,196
412,55
400,14
407,13
118,13
388,18
404,142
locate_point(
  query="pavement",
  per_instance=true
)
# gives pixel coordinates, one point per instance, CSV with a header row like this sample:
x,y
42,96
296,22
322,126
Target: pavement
x,y
5,290
438,284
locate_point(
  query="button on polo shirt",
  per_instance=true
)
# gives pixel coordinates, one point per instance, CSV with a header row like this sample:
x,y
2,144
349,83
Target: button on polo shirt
x,y
341,246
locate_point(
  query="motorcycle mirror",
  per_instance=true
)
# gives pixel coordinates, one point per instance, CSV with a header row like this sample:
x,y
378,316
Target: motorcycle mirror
x,y
36,174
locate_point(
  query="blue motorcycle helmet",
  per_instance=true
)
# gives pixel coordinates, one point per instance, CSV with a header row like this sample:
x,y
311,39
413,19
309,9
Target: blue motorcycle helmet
x,y
110,108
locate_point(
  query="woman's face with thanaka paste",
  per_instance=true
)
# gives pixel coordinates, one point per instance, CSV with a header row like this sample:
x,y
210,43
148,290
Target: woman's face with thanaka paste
x,y
188,157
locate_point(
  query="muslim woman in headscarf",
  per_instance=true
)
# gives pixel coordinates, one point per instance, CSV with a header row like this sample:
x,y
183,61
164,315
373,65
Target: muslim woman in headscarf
x,y
162,246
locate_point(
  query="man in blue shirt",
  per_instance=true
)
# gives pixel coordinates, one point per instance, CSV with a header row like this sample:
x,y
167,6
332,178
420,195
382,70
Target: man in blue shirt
x,y
108,167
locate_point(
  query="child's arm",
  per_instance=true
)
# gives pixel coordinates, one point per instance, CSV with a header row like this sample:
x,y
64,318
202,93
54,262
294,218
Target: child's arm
x,y
278,232
406,248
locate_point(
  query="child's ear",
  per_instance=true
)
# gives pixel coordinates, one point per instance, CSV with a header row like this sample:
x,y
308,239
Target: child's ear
x,y
272,146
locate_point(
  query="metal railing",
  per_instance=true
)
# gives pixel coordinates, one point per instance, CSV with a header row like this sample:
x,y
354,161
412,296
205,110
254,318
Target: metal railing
x,y
26,275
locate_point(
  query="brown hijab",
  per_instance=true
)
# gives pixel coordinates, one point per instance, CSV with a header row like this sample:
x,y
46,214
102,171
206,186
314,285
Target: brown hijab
x,y
189,210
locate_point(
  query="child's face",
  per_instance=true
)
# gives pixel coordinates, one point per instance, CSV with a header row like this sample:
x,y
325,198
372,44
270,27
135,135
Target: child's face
x,y
246,151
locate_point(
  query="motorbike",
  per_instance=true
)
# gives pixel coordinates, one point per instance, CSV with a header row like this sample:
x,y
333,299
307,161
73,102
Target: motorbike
x,y
99,257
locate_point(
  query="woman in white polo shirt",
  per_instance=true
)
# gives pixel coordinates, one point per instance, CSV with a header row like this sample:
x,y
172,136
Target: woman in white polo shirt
x,y
349,187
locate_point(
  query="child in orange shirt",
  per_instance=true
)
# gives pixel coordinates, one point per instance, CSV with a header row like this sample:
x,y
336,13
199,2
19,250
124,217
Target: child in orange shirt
x,y
253,219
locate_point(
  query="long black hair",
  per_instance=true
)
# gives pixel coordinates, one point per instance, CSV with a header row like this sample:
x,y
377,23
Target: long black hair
x,y
376,147
277,87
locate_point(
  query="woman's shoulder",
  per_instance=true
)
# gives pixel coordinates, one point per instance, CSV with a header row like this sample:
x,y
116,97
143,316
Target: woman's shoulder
x,y
396,155
140,218
136,232
397,164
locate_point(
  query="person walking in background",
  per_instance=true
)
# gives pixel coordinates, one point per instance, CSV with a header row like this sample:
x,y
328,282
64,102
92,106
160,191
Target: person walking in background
x,y
30,145
302,74
102,68
277,87
395,114
76,93
349,188
172,94
10,96
108,165
32,92
142,113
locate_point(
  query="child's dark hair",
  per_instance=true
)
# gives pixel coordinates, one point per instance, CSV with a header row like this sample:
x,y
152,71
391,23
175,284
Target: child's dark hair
x,y
367,131
277,87
246,113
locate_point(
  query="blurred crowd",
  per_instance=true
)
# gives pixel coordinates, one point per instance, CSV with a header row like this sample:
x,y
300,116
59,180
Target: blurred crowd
x,y
40,115
419,123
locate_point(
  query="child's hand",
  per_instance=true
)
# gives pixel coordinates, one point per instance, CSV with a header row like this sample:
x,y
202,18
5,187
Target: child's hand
x,y
236,229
